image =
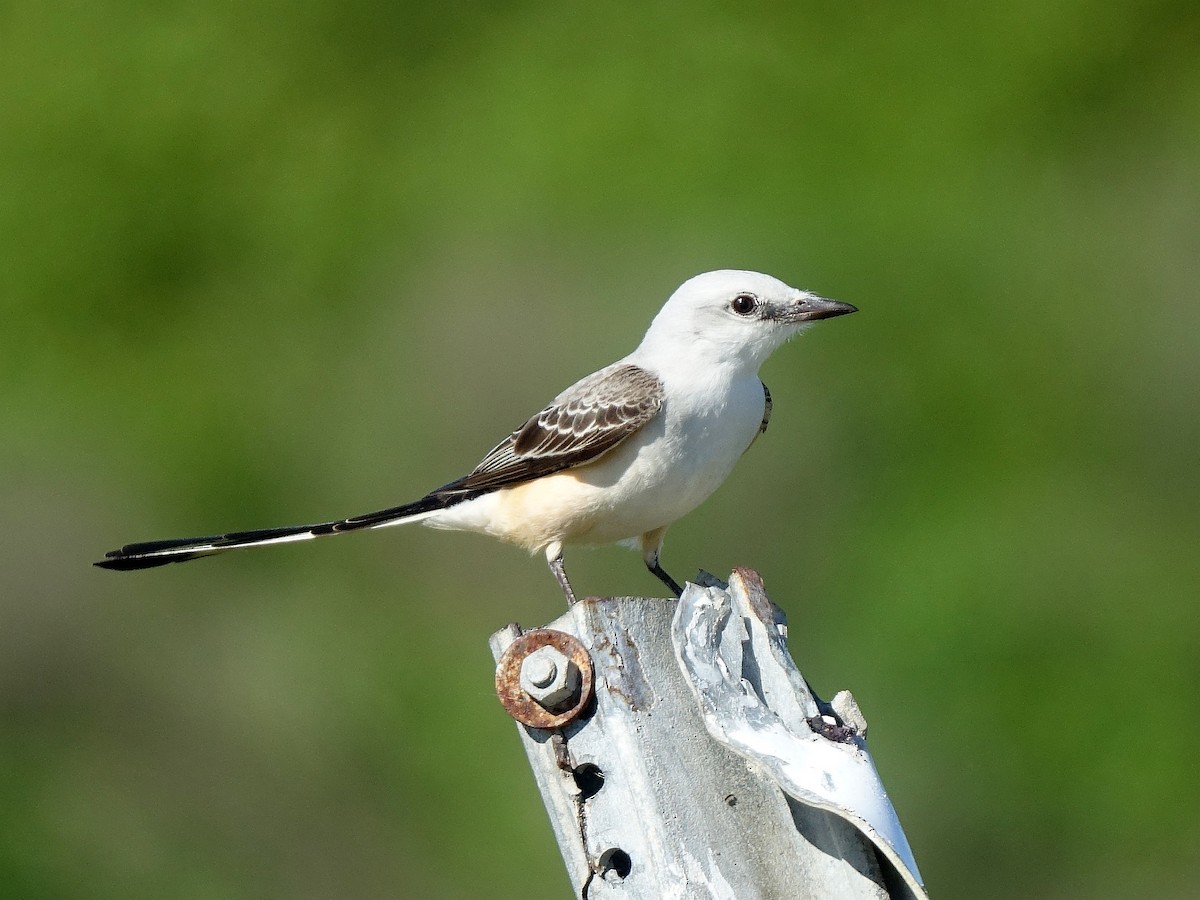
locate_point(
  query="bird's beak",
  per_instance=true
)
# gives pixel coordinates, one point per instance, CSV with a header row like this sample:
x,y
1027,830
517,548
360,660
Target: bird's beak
x,y
810,307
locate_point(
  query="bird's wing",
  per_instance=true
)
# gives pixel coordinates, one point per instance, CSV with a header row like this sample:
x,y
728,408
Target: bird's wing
x,y
581,425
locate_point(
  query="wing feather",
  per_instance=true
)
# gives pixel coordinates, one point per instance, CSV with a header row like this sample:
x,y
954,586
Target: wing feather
x,y
581,425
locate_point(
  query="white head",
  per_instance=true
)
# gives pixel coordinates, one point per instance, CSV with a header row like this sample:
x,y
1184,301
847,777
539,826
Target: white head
x,y
733,317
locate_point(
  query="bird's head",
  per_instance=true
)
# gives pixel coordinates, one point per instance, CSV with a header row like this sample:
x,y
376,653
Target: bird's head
x,y
735,317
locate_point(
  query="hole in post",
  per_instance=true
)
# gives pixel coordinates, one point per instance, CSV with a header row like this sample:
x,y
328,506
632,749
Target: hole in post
x,y
615,864
589,779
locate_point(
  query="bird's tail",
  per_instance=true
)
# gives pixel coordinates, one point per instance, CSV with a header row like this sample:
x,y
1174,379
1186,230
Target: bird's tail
x,y
158,553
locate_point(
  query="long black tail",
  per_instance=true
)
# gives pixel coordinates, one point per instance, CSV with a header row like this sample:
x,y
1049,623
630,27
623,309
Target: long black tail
x,y
149,554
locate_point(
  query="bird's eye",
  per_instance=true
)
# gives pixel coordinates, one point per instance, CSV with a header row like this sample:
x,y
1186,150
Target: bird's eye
x,y
744,304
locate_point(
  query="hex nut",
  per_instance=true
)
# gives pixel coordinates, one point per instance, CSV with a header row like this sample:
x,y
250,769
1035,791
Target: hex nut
x,y
550,677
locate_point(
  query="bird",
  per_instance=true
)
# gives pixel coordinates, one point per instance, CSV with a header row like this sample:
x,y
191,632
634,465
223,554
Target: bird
x,y
618,456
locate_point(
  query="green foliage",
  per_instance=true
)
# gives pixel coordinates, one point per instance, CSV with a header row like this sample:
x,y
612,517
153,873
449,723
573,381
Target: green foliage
x,y
253,253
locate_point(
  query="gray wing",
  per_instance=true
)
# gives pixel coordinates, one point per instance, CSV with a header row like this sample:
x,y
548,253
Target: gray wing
x,y
581,425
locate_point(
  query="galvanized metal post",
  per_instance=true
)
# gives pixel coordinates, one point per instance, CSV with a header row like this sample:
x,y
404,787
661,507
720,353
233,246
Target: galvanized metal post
x,y
680,754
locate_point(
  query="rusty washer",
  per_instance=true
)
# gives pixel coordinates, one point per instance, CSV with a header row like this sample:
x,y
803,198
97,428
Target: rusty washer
x,y
524,708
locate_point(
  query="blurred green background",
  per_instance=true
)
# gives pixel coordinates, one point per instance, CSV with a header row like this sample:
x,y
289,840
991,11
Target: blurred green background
x,y
250,252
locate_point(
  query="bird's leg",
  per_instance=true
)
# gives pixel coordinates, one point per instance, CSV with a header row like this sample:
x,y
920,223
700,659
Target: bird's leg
x,y
661,574
652,542
555,559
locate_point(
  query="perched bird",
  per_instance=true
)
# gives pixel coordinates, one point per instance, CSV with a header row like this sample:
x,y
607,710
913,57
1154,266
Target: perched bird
x,y
616,457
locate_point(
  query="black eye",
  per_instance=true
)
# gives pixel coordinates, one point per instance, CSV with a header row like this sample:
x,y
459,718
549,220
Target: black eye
x,y
744,304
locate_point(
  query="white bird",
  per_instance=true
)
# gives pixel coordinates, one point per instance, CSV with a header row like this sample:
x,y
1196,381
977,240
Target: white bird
x,y
616,457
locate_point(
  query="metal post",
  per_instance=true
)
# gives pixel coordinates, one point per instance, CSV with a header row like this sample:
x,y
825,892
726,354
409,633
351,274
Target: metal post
x,y
680,754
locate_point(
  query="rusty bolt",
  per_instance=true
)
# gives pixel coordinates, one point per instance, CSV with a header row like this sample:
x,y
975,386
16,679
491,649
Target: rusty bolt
x,y
846,707
539,669
549,677
526,700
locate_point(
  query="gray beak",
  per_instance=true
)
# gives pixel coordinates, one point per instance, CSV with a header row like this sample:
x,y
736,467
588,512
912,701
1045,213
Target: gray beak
x,y
811,307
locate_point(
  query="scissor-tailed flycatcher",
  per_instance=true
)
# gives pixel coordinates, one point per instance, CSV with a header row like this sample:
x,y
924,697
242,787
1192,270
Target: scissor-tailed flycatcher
x,y
619,455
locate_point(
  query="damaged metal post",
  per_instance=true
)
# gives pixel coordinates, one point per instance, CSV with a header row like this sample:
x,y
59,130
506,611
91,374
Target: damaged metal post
x,y
680,754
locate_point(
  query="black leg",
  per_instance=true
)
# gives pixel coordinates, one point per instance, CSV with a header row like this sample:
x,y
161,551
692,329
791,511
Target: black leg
x,y
556,566
661,574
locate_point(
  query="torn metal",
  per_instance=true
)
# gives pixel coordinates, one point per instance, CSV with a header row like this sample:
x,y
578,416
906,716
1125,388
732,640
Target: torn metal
x,y
730,643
